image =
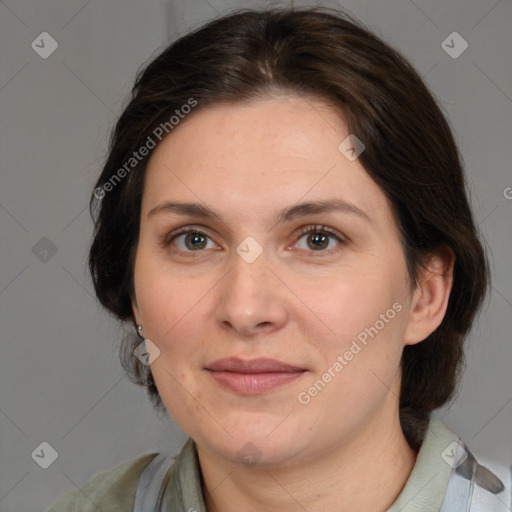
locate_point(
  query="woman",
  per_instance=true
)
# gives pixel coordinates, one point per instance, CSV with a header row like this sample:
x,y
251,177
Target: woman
x,y
283,219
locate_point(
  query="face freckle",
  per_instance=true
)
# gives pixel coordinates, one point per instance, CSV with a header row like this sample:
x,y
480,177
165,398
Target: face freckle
x,y
289,303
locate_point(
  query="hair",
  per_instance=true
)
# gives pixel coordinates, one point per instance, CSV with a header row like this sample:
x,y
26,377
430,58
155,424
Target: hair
x,y
410,154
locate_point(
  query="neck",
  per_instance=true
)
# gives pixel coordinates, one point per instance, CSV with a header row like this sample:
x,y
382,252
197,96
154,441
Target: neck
x,y
377,458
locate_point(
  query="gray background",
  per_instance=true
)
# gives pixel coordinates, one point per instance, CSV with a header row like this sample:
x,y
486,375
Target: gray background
x,y
60,377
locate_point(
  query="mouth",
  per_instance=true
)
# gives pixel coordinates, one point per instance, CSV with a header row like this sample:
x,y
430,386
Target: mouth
x,y
253,377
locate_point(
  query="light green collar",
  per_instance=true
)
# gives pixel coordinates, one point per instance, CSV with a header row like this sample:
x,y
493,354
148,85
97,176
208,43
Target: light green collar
x,y
426,487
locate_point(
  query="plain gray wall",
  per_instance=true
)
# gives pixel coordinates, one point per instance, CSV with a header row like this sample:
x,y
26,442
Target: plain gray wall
x,y
60,380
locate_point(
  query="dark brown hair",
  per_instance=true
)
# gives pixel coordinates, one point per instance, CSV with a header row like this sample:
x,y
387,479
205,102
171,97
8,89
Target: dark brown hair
x,y
410,153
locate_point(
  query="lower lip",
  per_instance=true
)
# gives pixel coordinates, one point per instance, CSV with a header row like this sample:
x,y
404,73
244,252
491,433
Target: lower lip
x,y
254,383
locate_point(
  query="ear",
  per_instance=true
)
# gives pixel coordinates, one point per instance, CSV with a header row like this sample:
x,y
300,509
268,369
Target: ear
x,y
430,297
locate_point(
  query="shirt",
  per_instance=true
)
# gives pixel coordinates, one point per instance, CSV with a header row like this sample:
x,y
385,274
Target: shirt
x,y
425,490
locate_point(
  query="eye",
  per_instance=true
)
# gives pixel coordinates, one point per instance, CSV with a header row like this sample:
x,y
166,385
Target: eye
x,y
318,239
192,240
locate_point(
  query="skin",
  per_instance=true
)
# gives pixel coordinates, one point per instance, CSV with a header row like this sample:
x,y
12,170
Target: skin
x,y
294,303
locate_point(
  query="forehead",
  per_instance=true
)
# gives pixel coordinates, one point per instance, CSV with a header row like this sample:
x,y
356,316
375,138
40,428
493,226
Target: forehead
x,y
252,156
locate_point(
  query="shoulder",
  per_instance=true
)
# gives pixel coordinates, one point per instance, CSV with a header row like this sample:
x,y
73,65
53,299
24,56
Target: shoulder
x,y
475,483
112,490
447,477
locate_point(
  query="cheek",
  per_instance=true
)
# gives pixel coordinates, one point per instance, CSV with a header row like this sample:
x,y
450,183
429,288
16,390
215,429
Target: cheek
x,y
358,365
169,303
360,360
361,305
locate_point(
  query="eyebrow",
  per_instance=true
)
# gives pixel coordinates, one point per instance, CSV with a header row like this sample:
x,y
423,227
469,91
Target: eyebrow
x,y
285,215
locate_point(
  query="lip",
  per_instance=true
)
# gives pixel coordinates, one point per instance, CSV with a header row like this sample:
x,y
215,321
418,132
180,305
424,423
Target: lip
x,y
252,377
260,365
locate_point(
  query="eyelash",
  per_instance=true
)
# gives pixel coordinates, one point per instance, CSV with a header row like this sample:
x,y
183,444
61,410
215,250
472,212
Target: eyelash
x,y
317,228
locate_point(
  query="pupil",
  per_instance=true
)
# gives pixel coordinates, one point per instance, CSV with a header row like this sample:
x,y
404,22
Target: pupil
x,y
319,237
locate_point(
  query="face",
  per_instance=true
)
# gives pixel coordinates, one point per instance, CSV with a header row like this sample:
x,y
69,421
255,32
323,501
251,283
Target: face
x,y
297,278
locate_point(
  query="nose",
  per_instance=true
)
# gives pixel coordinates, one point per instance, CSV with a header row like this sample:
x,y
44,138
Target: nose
x,y
252,299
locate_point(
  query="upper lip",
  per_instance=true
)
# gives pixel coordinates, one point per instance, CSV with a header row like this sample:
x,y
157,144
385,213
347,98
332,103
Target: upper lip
x,y
260,365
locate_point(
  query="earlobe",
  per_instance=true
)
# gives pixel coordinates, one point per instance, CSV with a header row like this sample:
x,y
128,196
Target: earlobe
x,y
430,298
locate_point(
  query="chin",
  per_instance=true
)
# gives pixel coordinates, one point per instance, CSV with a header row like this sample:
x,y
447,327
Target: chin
x,y
256,445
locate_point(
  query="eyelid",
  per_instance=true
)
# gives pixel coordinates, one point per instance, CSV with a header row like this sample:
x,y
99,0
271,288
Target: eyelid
x,y
313,228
